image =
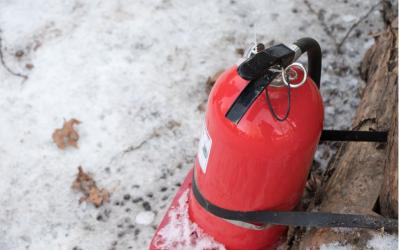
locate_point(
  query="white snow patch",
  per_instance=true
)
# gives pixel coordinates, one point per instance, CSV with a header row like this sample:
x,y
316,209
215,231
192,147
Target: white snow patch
x,y
369,43
127,69
182,233
144,218
378,242
335,246
383,242
348,18
342,229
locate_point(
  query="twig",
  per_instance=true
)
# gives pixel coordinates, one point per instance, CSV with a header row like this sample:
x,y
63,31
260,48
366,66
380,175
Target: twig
x,y
339,45
328,30
134,147
322,22
6,66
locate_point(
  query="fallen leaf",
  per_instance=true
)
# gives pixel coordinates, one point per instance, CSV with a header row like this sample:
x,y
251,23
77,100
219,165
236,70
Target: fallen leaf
x,y
67,135
211,80
172,124
239,51
313,183
91,193
19,53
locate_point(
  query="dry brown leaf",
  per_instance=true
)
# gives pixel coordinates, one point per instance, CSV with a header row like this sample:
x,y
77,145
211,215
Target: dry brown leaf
x,y
212,79
29,66
91,193
67,135
240,51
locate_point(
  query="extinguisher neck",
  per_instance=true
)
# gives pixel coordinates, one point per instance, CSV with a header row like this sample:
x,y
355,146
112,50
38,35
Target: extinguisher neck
x,y
297,51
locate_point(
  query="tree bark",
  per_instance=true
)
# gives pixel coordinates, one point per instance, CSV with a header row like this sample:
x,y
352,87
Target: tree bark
x,y
363,171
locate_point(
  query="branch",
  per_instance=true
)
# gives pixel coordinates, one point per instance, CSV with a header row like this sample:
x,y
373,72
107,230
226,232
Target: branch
x,y
9,70
328,30
339,45
322,22
138,146
132,148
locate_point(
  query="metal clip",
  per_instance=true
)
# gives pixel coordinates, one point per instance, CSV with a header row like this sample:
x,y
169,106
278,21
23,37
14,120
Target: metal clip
x,y
253,49
287,75
286,70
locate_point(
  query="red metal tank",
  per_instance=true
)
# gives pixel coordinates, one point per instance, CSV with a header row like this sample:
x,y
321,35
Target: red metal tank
x,y
258,163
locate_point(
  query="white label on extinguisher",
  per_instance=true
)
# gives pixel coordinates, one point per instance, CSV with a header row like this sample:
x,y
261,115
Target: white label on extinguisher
x,y
204,149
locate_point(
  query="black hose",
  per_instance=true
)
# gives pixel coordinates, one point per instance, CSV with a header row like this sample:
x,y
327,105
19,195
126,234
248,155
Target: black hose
x,y
314,54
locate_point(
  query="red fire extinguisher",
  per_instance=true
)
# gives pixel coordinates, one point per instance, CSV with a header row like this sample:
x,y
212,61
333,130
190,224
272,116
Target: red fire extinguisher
x,y
263,123
256,149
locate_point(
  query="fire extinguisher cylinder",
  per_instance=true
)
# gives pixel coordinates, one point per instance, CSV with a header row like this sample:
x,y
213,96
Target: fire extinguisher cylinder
x,y
248,160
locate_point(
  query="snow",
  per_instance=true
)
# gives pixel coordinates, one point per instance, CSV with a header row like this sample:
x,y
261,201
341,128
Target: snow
x,y
335,246
181,233
349,18
377,242
383,242
134,73
144,218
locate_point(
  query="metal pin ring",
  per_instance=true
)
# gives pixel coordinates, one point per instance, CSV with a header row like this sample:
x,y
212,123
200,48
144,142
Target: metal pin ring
x,y
287,68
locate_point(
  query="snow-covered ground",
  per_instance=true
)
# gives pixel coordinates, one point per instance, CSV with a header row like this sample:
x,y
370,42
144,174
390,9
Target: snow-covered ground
x,y
377,242
134,73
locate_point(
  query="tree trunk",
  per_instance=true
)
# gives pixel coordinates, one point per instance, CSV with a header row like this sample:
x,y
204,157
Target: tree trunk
x,y
364,171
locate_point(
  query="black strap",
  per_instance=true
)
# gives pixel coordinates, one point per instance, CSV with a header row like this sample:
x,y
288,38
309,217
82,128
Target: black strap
x,y
295,218
343,135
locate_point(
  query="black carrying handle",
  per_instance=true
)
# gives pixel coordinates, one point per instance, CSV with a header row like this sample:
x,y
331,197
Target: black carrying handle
x,y
314,55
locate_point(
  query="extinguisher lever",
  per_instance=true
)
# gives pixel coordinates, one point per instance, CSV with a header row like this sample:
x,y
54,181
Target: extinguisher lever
x,y
259,64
